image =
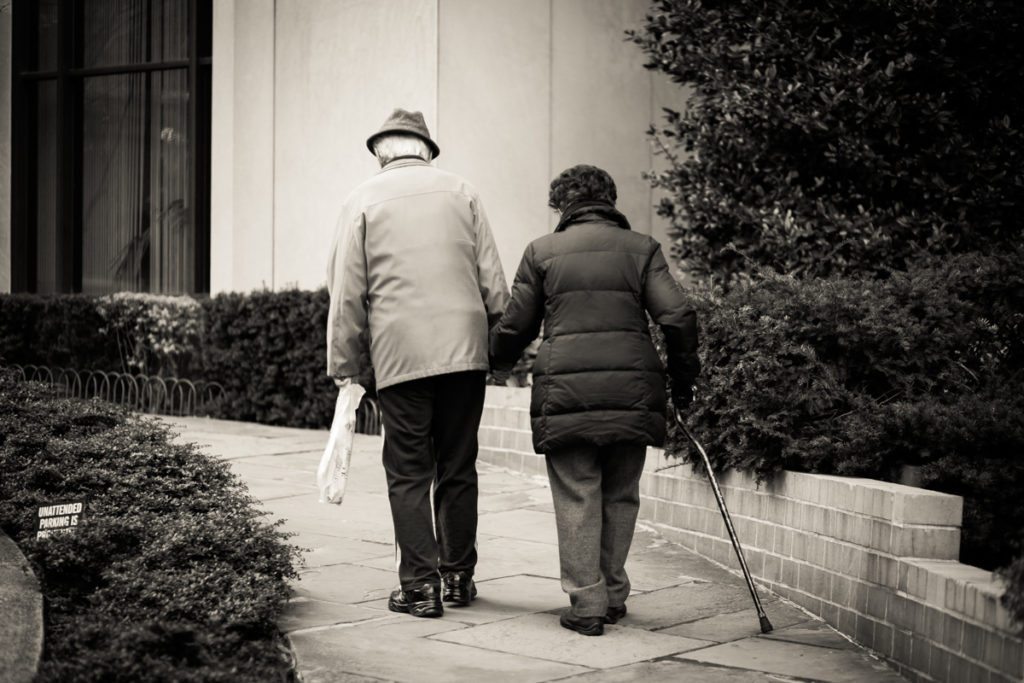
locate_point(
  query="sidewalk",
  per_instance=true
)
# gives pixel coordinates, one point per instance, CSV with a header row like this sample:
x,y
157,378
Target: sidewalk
x,y
688,620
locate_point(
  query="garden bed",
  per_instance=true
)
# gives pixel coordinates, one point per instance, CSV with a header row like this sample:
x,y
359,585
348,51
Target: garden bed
x,y
172,574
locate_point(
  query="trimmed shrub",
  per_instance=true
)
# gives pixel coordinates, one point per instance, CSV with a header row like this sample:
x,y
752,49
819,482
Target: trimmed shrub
x,y
155,334
269,351
172,575
1013,598
838,137
55,331
860,377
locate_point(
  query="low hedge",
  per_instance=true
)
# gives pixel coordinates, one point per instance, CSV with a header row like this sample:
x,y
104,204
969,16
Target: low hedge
x,y
56,331
269,351
173,573
861,377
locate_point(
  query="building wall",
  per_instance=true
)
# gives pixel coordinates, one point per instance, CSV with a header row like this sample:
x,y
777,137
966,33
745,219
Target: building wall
x,y
242,146
340,68
6,82
514,92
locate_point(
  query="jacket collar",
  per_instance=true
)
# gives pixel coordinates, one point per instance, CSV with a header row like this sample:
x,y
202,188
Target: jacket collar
x,y
402,162
591,212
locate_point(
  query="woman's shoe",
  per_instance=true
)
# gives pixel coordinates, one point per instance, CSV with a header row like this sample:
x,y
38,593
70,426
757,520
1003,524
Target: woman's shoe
x,y
614,614
459,588
424,601
588,626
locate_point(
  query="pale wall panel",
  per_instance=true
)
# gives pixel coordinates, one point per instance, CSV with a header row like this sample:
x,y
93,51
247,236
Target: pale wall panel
x,y
5,147
672,96
494,123
601,98
242,146
222,148
342,66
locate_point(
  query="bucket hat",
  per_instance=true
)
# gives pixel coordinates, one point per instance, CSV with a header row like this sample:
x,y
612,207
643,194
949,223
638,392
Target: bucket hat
x,y
408,122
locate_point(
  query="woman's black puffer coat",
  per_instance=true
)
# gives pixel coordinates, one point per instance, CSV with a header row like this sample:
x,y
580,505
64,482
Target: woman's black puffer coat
x,y
597,378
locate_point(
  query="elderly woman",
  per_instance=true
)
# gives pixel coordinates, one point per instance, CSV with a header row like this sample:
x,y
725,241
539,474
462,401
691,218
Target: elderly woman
x,y
598,385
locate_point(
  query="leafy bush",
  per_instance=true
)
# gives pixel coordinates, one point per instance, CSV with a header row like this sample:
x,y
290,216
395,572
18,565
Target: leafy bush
x,y
859,377
55,331
172,575
1013,598
838,137
155,334
269,351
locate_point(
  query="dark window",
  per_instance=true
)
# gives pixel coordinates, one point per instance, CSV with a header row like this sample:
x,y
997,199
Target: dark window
x,y
111,181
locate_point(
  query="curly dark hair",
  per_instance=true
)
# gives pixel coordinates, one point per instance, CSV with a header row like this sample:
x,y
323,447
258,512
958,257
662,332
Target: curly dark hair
x,y
581,183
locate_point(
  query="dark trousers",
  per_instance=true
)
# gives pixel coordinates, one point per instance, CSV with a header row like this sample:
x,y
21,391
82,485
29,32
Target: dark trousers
x,y
430,439
596,494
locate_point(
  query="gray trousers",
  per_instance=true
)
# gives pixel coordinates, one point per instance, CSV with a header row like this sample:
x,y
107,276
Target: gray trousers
x,y
596,494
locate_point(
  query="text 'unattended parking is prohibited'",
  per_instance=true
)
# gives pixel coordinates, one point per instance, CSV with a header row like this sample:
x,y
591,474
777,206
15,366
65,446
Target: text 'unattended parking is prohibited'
x,y
60,518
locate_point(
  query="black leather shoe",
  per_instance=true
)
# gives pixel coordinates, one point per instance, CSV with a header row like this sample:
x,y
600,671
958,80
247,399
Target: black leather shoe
x,y
588,626
459,588
614,614
423,601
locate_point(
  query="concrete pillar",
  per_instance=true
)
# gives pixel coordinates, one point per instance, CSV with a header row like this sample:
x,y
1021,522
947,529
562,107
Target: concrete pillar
x,y
222,146
494,112
242,146
672,96
341,67
6,83
601,98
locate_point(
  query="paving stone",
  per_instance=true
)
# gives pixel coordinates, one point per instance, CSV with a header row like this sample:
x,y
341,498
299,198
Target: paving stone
x,y
681,604
303,612
667,565
242,446
793,659
528,525
540,635
399,651
723,628
267,490
497,556
247,469
810,633
321,550
672,670
345,583
503,598
528,499
362,516
327,676
494,480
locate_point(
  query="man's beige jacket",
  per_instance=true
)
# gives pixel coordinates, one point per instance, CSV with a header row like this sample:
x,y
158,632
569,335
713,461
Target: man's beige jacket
x,y
413,264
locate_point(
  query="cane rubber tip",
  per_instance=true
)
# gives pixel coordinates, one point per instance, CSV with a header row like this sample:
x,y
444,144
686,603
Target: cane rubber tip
x,y
766,626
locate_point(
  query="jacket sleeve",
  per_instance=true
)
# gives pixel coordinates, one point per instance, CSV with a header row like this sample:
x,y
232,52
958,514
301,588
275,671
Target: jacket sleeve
x,y
347,317
493,287
522,319
664,300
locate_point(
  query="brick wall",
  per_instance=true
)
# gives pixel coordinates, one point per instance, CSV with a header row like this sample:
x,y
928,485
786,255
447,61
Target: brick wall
x,y
875,560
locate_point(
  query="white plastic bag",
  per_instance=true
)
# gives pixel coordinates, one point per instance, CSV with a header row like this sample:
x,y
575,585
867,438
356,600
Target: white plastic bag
x,y
332,474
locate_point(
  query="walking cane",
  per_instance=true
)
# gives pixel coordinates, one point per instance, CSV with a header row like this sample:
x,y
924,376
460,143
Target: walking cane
x,y
766,625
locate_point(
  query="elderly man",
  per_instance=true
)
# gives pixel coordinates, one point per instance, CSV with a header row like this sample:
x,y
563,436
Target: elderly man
x,y
414,273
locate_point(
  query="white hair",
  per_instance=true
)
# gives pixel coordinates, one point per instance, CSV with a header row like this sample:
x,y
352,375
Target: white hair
x,y
391,146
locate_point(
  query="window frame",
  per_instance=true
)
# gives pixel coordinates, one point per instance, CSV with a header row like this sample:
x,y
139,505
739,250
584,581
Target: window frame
x,y
69,81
